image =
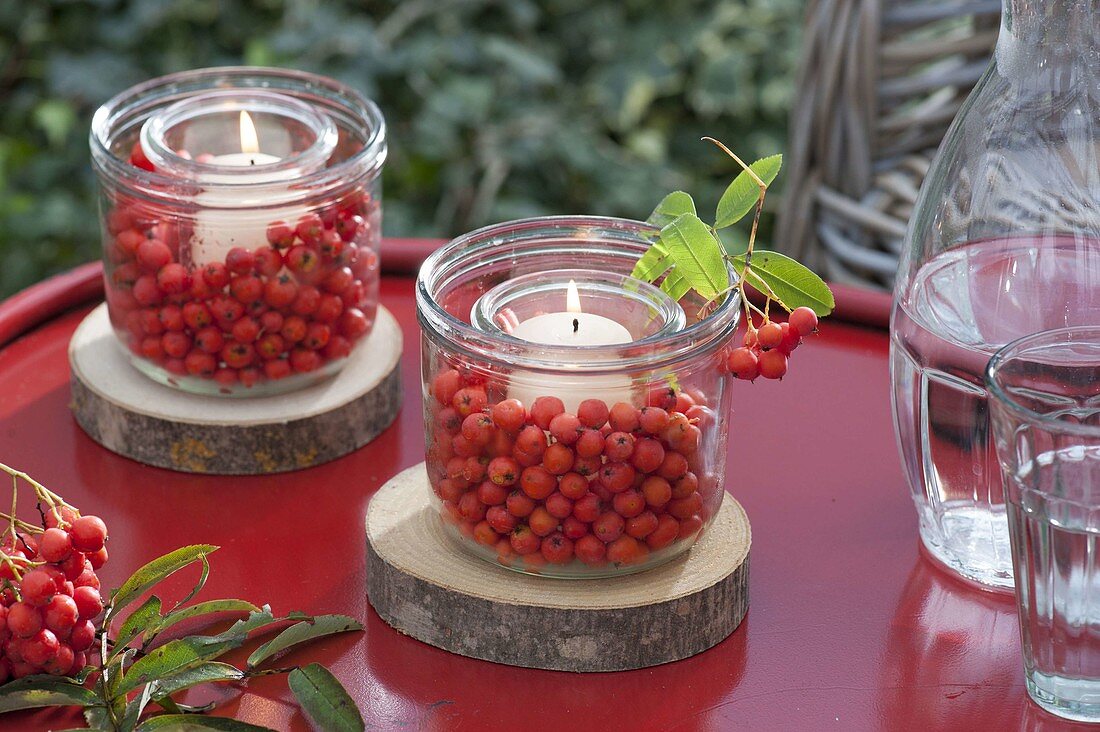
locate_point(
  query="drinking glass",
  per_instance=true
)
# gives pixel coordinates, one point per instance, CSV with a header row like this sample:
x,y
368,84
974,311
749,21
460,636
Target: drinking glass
x,y
1045,409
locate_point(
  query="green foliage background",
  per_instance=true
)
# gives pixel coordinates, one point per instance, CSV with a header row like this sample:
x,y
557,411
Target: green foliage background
x,y
497,109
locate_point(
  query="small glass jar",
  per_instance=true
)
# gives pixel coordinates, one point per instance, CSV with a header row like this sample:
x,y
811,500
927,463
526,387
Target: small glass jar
x,y
574,415
241,217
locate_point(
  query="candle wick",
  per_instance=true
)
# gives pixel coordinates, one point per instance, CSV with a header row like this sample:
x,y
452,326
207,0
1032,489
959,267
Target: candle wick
x,y
576,324
252,161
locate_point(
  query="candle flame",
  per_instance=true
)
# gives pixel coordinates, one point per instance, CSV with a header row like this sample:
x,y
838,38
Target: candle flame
x,y
572,298
250,142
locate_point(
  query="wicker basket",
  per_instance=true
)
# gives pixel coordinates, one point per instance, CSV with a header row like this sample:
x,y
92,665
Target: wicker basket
x,y
880,81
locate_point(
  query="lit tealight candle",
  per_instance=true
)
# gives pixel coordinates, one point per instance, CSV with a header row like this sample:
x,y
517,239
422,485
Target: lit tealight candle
x,y
572,327
225,219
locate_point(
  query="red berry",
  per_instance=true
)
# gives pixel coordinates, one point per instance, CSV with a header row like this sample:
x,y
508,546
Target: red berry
x,y
37,587
303,360
317,336
131,239
519,504
445,385
210,339
565,428
268,261
524,540
558,459
791,339
769,335
478,428
673,467
338,280
61,613
544,409
617,476
593,413
88,602
245,330
684,508
653,420
648,455
590,550
625,550
537,482
55,545
171,317
469,400
306,301
302,260
354,323
96,559
310,227
329,309
574,528
153,254
146,291
280,234
573,486
558,506
608,527
542,522
502,521
743,363
628,503
40,648
348,226
294,329
557,549
657,491
471,508
61,663
642,525
139,159
667,531
803,320
83,636
531,440
491,494
240,261
332,245
619,446
773,364
89,533
485,534
503,471
508,415
24,620
588,508
270,346
173,279
215,275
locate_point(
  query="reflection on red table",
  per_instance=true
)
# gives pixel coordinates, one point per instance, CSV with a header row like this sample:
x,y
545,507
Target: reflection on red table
x,y
849,627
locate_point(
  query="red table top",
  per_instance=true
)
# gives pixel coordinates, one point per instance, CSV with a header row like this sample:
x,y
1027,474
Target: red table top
x,y
849,627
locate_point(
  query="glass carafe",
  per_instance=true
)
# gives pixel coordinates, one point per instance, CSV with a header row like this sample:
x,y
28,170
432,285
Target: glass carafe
x,y
1004,242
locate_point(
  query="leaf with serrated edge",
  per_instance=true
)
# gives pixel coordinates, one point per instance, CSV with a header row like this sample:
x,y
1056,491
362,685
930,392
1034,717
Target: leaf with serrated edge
x,y
675,286
175,656
742,194
203,576
324,699
671,206
208,607
792,282
155,571
203,674
45,693
652,264
139,621
188,722
321,626
696,254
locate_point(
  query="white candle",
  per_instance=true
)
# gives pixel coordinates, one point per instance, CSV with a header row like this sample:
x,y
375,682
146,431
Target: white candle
x,y
571,328
225,220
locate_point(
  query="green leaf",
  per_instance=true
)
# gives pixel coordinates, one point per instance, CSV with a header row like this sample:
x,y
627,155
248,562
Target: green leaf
x,y
696,254
141,620
202,674
671,206
324,699
203,576
39,691
675,286
652,264
210,607
321,626
793,283
743,192
197,723
155,571
175,656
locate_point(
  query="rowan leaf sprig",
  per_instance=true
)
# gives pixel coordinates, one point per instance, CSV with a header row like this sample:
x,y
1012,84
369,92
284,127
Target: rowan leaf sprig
x,y
688,254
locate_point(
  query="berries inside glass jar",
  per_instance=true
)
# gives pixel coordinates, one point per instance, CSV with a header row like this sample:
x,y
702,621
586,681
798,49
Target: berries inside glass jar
x,y
606,489
291,307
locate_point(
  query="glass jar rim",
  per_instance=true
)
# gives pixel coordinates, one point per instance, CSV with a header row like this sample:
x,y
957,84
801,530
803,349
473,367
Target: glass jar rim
x,y
1089,334
651,352
365,161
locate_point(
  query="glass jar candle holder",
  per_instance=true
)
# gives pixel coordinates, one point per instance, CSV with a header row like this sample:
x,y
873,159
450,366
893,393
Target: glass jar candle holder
x,y
574,415
241,218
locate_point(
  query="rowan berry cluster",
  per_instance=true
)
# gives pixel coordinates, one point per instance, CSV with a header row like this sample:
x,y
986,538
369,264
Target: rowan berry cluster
x,y
609,484
766,349
49,591
286,308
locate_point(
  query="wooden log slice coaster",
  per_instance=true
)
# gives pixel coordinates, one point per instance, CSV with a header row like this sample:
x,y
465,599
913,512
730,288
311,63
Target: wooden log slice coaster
x,y
132,415
425,586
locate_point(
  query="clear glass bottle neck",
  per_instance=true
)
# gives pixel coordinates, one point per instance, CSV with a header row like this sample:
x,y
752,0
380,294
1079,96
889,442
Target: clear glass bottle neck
x,y
1050,44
